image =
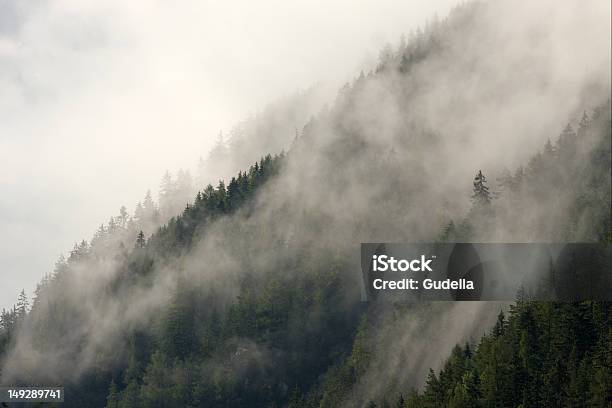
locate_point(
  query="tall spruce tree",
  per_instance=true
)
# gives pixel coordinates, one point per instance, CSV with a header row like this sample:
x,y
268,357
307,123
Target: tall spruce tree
x,y
481,196
140,240
23,305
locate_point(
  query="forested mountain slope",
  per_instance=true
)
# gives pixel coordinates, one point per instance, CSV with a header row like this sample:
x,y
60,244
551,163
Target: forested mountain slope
x,y
545,353
252,296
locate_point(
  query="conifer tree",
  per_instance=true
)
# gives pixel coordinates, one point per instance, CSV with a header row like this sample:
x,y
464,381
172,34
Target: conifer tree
x,y
140,240
434,391
139,212
23,305
583,124
500,325
481,196
123,216
149,208
221,197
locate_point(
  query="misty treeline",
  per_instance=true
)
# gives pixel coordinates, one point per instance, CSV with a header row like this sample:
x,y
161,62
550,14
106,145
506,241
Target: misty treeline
x,y
271,130
522,200
251,296
544,354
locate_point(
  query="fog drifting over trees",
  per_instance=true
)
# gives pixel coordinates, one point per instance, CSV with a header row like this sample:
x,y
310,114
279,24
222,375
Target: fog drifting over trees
x,y
254,288
99,99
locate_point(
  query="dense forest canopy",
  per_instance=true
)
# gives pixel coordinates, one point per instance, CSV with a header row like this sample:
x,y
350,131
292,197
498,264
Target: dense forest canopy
x,y
250,295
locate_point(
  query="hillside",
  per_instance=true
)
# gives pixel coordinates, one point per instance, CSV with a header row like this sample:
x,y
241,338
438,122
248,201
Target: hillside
x,y
251,296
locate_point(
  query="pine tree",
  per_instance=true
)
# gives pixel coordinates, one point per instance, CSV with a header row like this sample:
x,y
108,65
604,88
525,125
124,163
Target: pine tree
x,y
481,196
500,325
139,214
149,208
112,225
140,240
549,150
7,321
434,391
567,134
567,138
23,305
583,124
221,197
123,216
233,193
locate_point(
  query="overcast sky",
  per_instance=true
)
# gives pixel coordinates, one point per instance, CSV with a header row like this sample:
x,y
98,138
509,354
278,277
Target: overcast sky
x,y
98,98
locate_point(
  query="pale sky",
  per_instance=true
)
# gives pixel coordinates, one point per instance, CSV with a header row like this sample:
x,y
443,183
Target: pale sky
x,y
99,98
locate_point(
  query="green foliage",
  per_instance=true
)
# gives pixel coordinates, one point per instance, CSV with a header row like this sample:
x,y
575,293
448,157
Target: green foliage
x,y
546,354
178,234
294,333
